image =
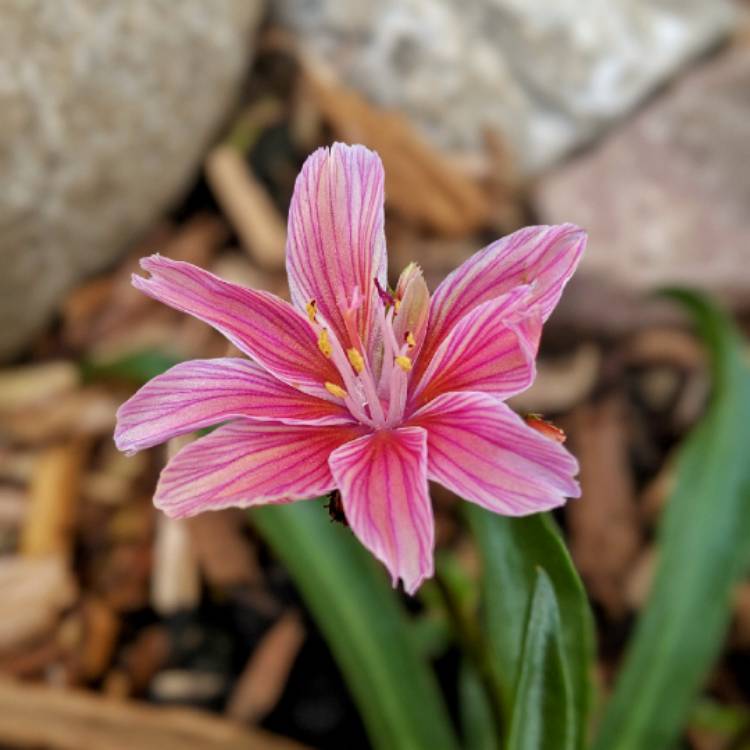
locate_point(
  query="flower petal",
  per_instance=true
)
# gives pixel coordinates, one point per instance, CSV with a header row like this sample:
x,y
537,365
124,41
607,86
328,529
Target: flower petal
x,y
544,256
487,350
484,452
204,392
413,310
261,325
250,463
335,244
382,478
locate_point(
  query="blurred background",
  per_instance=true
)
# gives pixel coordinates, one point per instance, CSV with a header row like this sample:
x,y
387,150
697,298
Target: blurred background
x,y
178,127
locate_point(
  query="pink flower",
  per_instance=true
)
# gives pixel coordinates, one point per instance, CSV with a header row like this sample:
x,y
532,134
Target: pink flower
x,y
356,388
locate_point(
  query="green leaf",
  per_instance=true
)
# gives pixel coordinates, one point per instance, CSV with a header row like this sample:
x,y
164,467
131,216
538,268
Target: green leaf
x,y
365,625
544,712
477,722
703,548
512,550
137,367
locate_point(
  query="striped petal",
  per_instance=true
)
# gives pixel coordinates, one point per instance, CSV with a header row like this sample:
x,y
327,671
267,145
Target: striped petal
x,y
543,256
410,323
484,452
383,482
260,324
204,392
335,244
249,463
487,350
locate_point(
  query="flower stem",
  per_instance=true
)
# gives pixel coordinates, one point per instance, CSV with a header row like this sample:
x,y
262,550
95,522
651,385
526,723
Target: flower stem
x,y
472,644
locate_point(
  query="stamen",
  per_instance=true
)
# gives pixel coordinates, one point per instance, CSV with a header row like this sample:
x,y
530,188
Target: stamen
x,y
403,362
396,303
324,343
312,310
335,390
356,360
410,340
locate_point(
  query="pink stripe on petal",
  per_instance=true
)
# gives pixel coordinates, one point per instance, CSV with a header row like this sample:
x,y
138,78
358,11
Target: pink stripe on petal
x,y
383,482
264,327
487,350
335,241
204,392
249,463
484,452
543,256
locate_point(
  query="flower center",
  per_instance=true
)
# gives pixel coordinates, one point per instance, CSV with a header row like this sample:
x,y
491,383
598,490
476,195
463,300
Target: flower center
x,y
375,378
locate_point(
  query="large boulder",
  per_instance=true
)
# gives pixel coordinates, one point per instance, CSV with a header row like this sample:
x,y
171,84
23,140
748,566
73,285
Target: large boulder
x,y
665,199
546,74
106,108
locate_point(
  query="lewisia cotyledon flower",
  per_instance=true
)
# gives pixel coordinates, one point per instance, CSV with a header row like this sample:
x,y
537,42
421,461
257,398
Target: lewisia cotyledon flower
x,y
358,387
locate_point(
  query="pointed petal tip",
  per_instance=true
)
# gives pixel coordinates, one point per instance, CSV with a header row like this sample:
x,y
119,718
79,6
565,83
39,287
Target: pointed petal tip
x,y
412,586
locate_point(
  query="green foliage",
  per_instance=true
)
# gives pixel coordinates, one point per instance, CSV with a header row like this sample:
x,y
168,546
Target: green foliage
x,y
513,550
543,710
137,368
364,624
703,548
477,722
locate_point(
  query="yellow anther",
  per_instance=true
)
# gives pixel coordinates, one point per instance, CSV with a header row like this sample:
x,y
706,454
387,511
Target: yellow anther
x,y
410,340
335,390
324,343
396,304
404,363
312,310
355,358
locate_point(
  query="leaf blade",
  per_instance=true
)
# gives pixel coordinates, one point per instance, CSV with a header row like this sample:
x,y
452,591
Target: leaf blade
x,y
544,710
364,624
702,552
512,550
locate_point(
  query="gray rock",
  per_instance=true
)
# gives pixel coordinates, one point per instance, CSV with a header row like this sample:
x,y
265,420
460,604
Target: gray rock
x,y
665,199
548,74
106,108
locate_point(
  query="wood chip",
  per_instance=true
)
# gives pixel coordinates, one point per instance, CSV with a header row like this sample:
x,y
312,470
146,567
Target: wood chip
x,y
175,583
248,206
656,493
561,383
101,627
86,412
17,464
127,322
13,507
53,497
640,578
38,716
604,530
31,385
665,345
35,592
262,682
143,658
741,632
420,183
238,269
222,551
